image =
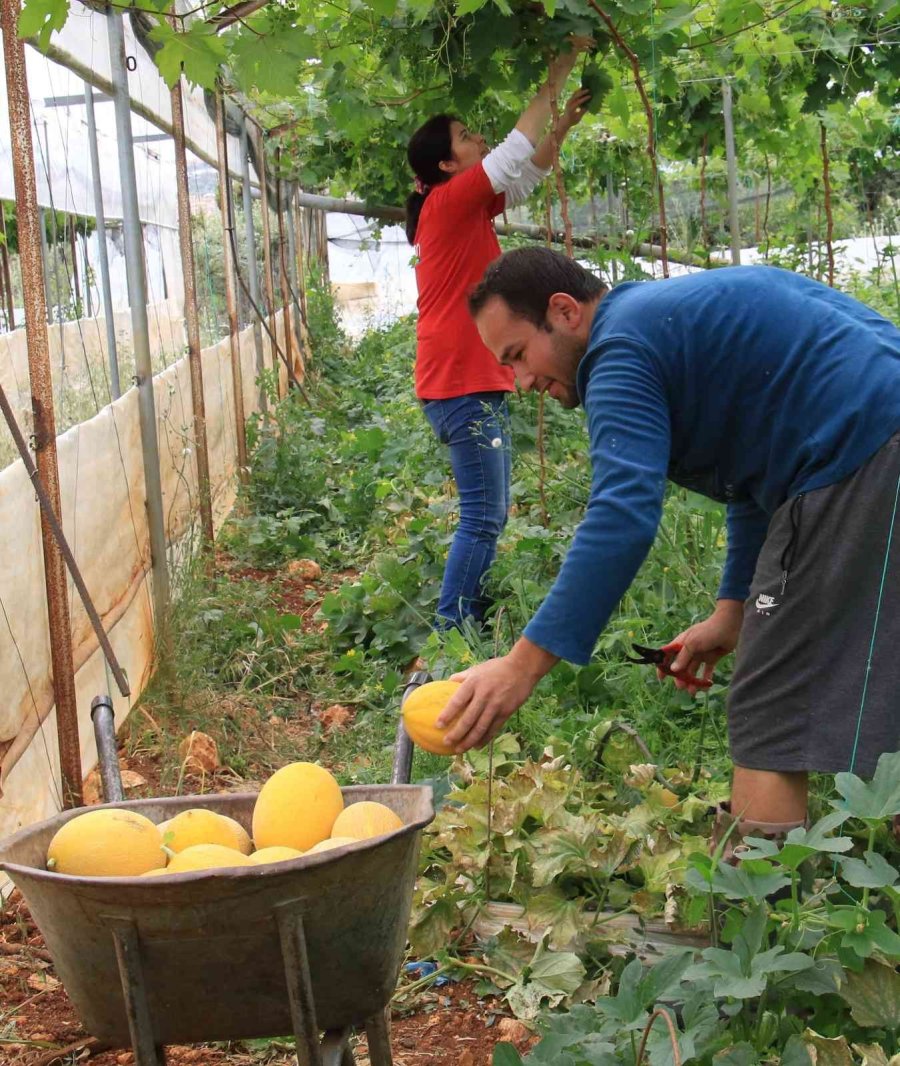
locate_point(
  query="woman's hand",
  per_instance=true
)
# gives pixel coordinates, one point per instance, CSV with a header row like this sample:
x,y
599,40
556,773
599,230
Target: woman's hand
x,y
574,111
561,66
706,642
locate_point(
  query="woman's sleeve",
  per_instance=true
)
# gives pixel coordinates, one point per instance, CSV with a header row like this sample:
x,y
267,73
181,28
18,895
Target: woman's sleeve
x,y
510,169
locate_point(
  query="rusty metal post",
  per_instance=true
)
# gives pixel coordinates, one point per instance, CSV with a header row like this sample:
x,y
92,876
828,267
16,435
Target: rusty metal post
x,y
285,294
7,275
230,290
192,319
100,216
268,271
29,227
140,327
252,269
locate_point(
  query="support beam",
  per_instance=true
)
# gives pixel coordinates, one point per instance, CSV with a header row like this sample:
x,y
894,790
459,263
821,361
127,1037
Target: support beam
x,y
137,299
539,233
30,224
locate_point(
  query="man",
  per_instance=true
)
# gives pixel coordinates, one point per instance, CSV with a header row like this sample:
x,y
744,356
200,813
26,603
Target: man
x,y
774,394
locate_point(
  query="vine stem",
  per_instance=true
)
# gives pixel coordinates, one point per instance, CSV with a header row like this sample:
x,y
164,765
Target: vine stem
x,y
673,1036
623,46
826,186
557,171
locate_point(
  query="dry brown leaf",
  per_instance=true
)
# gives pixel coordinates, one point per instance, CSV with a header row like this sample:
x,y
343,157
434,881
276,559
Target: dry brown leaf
x,y
199,753
307,569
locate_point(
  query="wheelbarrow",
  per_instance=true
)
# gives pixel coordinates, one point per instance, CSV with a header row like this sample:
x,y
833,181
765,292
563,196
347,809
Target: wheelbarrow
x,y
297,947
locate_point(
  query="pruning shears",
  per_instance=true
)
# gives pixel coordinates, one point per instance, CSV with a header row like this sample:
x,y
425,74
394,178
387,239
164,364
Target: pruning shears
x,y
662,658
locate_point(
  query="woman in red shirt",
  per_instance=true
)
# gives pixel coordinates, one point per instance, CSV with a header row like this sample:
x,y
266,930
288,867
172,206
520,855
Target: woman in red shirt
x,y
460,187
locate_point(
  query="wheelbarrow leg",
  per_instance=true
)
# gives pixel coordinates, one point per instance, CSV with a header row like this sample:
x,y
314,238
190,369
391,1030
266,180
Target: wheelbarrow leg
x,y
134,988
379,1039
296,971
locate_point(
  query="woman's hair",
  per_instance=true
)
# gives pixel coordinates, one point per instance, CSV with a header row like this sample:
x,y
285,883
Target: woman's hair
x,y
428,147
526,278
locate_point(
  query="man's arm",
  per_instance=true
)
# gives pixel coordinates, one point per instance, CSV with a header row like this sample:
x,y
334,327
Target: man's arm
x,y
629,427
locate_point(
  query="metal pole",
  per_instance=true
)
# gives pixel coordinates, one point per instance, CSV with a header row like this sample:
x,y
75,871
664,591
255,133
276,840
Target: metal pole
x,y
104,718
268,271
282,271
100,215
75,281
611,211
292,273
54,237
230,266
252,270
29,226
45,266
301,259
191,316
7,276
733,222
86,272
137,299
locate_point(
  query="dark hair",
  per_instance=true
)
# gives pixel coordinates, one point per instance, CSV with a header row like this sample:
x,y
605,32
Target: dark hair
x,y
428,147
526,278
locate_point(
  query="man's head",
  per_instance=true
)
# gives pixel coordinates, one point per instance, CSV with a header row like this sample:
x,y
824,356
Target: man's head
x,y
533,309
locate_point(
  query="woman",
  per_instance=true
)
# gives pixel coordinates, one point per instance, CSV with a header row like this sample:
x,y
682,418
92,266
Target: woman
x,y
460,187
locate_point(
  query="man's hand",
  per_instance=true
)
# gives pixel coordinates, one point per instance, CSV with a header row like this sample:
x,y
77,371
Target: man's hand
x,y
491,692
707,642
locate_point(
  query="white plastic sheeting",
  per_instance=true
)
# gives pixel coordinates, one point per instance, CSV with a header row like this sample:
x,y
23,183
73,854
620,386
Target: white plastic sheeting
x,y
102,485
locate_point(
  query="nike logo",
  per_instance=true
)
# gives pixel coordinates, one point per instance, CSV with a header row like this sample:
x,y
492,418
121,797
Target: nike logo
x,y
765,603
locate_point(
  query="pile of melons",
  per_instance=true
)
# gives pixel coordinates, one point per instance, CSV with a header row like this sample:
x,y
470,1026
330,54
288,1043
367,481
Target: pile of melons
x,y
299,811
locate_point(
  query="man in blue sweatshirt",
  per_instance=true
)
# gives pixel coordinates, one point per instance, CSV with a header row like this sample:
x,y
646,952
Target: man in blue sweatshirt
x,y
775,395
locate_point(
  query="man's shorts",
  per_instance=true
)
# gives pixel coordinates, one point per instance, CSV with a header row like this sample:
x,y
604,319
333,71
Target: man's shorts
x,y
817,676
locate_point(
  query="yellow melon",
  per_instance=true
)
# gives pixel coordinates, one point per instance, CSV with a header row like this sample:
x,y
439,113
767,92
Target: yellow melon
x,y
296,807
206,857
421,711
245,844
106,843
200,826
366,819
332,842
274,854
155,873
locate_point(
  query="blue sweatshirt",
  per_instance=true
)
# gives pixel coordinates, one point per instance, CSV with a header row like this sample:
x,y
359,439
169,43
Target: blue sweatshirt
x,y
747,384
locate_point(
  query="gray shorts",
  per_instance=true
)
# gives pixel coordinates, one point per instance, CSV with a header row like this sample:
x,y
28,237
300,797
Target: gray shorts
x,y
800,698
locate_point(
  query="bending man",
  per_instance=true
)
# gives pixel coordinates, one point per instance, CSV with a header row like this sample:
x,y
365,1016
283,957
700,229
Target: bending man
x,y
775,395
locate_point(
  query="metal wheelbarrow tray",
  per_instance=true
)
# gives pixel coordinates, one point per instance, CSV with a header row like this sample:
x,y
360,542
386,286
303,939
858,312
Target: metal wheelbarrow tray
x,y
311,944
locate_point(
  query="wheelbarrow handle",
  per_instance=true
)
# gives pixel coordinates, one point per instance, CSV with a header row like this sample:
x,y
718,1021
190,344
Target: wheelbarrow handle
x,y
401,771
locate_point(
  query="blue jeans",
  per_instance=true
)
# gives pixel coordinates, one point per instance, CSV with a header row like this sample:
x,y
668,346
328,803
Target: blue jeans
x,y
476,430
